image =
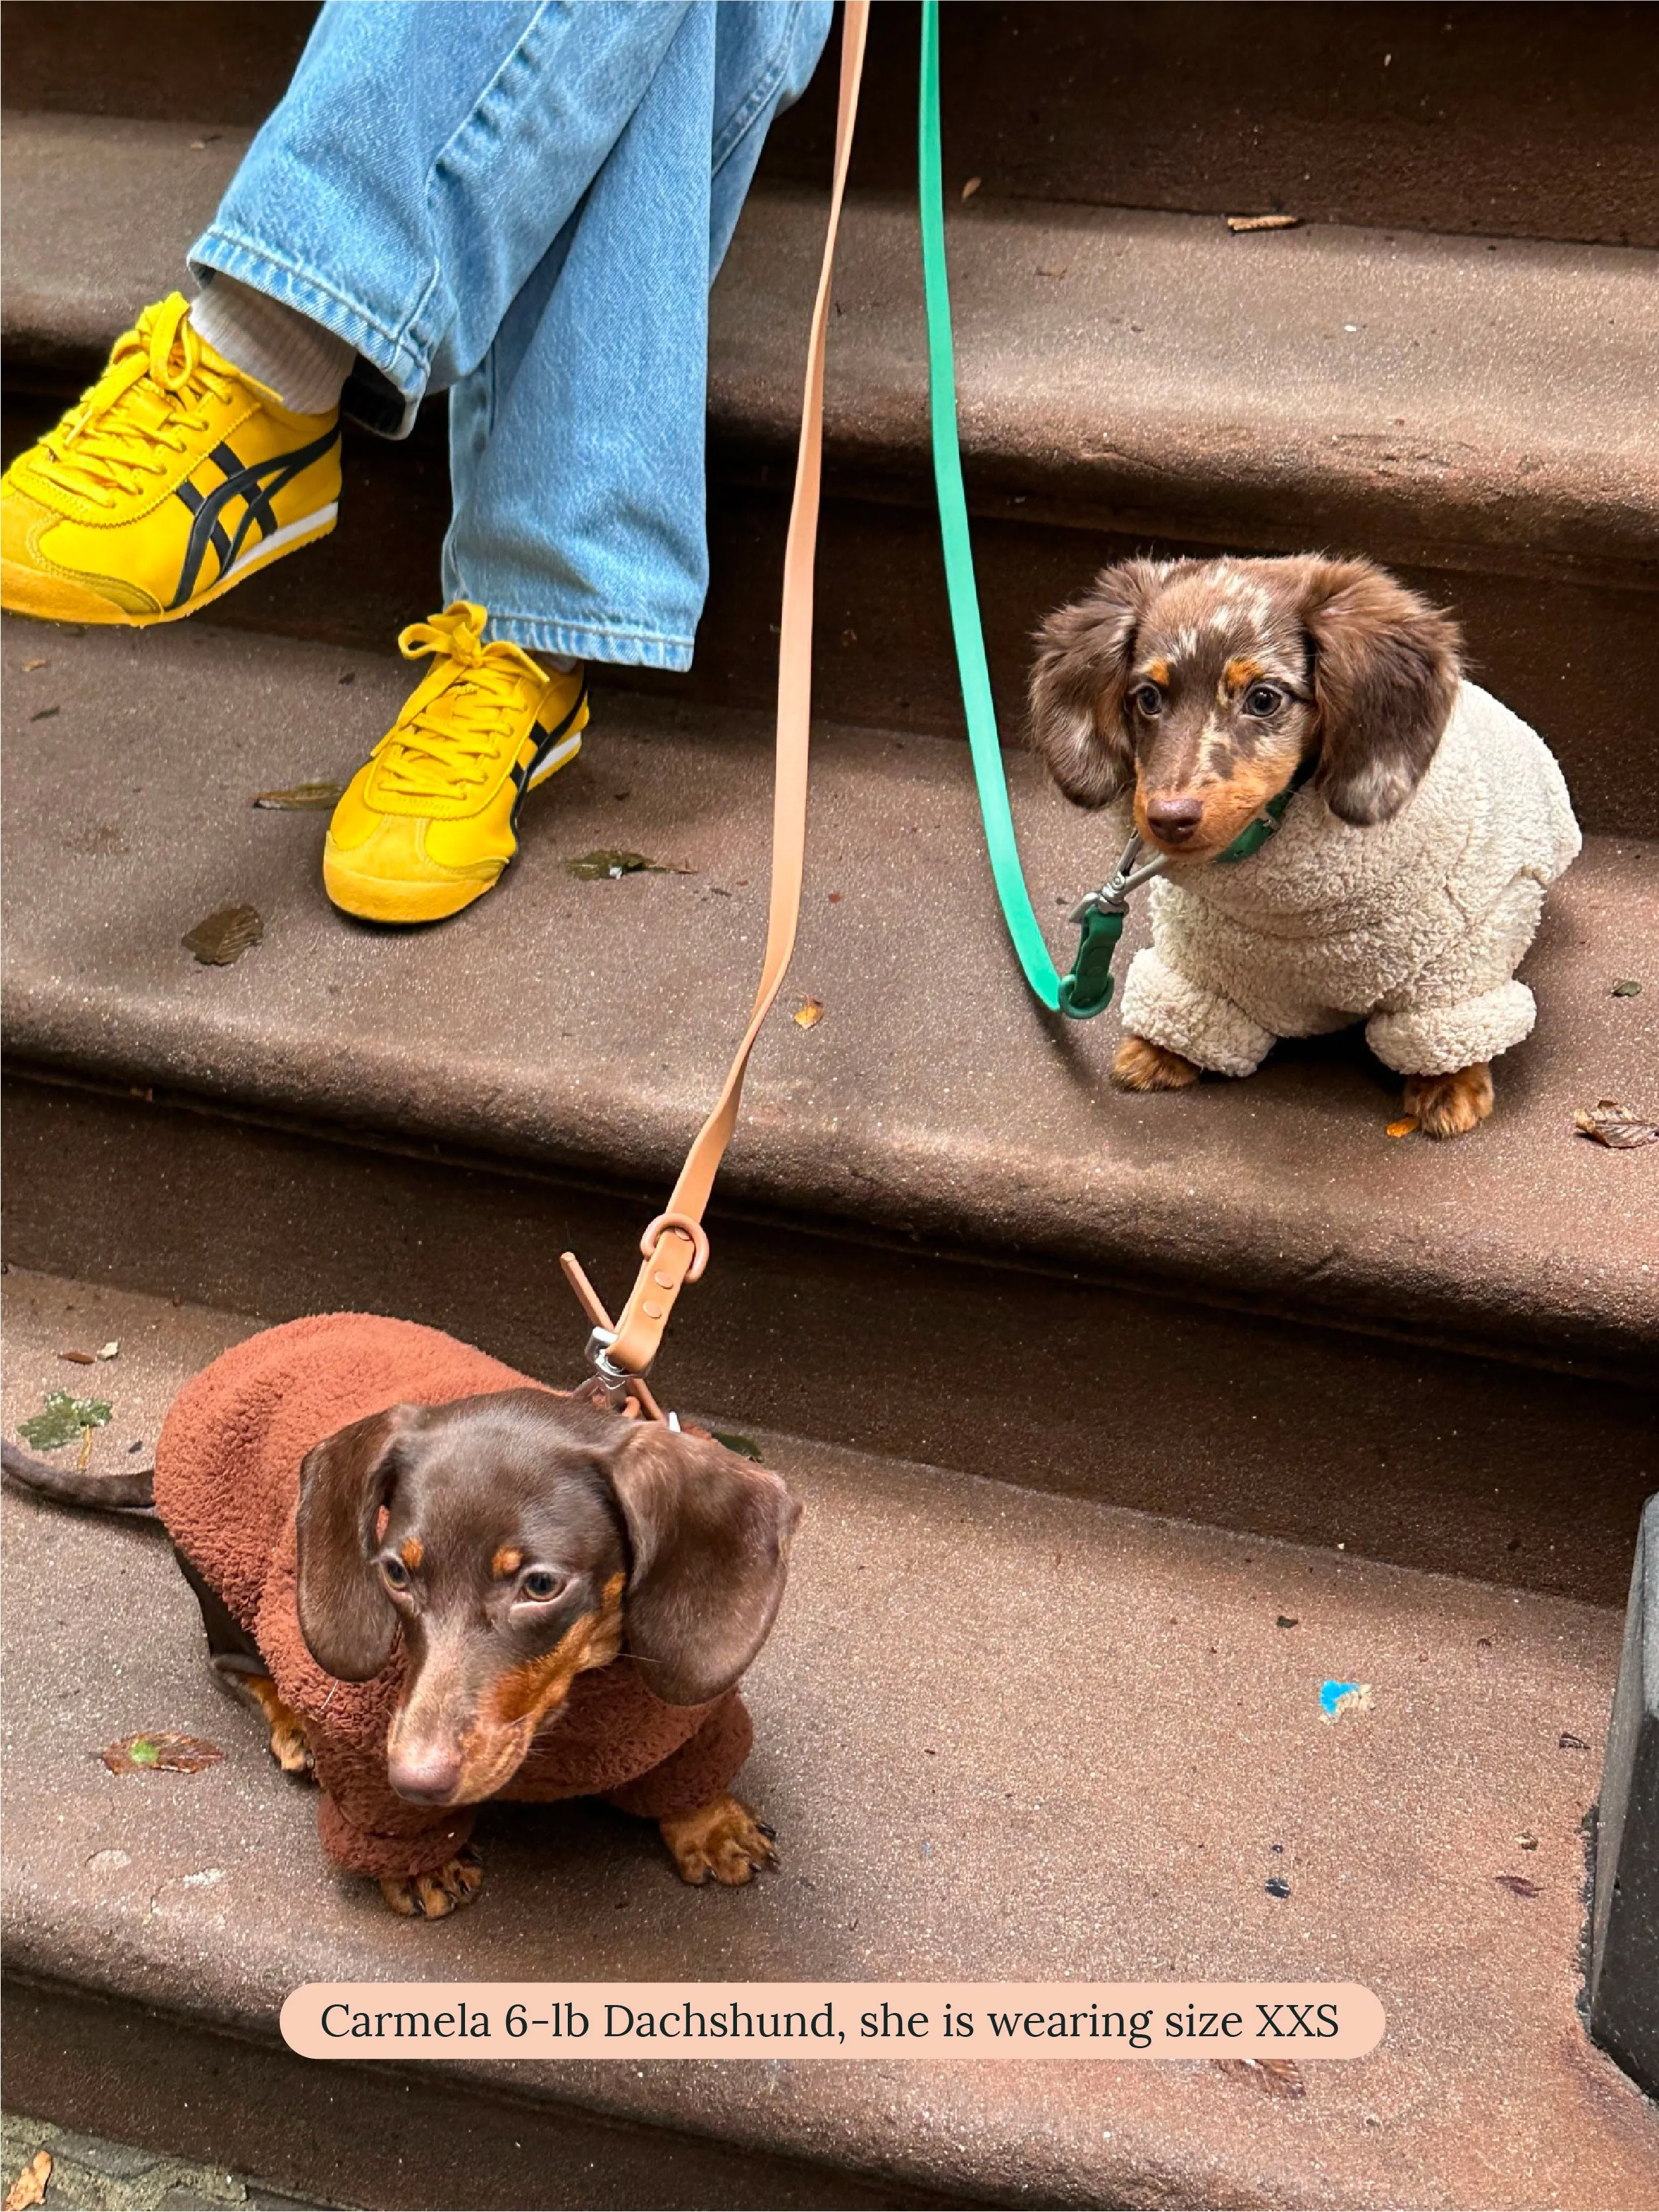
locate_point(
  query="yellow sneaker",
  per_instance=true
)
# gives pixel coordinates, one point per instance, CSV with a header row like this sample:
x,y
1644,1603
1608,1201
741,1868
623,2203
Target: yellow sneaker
x,y
174,478
426,824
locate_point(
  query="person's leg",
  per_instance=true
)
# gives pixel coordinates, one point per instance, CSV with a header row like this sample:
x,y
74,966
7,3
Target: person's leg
x,y
577,446
391,208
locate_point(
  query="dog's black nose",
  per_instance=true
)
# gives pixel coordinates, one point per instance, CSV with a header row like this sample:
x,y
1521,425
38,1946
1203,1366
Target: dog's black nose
x,y
1175,817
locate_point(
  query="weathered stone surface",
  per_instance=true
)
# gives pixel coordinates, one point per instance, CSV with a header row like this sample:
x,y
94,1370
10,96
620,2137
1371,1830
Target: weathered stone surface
x,y
586,1025
999,1733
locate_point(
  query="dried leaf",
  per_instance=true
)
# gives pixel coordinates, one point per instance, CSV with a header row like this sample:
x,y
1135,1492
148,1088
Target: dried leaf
x,y
1236,222
1274,2078
971,187
1621,1128
111,1350
1518,1885
158,1750
78,1358
1627,987
224,936
1403,1126
612,862
745,1447
45,713
1527,1840
64,1419
1288,1620
29,667
1060,271
298,797
1565,1742
30,2186
809,1013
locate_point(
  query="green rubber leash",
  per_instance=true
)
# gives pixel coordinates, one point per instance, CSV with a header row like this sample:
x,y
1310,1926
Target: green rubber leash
x,y
1086,989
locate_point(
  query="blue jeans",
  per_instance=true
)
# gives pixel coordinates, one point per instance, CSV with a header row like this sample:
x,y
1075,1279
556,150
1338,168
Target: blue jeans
x,y
525,204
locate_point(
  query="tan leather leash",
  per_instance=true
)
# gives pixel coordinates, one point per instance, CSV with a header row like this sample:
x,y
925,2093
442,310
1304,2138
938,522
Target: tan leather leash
x,y
675,1247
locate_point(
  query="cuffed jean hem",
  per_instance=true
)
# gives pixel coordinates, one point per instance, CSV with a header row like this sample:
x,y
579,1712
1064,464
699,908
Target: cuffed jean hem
x,y
618,648
306,292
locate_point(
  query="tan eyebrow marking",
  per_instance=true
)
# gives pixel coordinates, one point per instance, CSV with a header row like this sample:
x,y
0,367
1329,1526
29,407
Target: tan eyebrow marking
x,y
411,1553
1237,673
506,1561
1158,670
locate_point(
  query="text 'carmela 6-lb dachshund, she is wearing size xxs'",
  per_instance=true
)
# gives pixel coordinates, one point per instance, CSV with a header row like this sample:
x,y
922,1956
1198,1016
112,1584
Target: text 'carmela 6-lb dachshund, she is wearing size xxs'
x,y
1405,881
439,1581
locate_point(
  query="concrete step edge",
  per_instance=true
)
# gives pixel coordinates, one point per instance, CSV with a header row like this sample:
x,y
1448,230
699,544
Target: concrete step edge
x,y
584,1026
929,1834
1148,371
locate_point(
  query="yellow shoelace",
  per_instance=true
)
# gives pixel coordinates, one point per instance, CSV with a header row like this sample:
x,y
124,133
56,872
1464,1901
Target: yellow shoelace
x,y
151,396
449,737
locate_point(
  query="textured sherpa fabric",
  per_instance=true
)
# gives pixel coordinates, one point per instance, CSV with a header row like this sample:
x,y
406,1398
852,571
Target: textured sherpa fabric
x,y
1414,926
226,1482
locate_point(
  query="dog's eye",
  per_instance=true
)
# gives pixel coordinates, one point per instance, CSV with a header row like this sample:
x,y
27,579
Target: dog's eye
x,y
1263,699
396,1573
1146,699
540,1585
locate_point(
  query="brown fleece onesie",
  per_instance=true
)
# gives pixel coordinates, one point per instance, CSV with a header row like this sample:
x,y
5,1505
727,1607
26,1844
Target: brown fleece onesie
x,y
227,1481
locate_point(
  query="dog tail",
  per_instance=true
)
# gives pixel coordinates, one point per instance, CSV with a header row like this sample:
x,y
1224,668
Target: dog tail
x,y
106,1493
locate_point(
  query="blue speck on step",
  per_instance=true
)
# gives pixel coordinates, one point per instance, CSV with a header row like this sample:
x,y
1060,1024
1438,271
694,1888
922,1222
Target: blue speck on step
x,y
1336,1699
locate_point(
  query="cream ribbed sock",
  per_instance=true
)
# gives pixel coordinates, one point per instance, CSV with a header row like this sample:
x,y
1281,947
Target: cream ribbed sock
x,y
304,364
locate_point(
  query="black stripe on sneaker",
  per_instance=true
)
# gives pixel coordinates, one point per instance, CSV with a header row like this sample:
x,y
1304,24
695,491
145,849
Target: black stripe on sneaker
x,y
216,535
224,459
256,486
546,739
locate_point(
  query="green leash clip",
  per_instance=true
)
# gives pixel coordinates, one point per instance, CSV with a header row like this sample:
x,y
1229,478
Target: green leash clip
x,y
1086,990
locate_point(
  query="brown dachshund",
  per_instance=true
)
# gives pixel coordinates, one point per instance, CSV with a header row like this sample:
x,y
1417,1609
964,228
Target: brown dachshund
x,y
1423,824
504,1593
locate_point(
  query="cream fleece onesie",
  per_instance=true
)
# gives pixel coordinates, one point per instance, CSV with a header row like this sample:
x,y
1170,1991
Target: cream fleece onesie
x,y
1415,926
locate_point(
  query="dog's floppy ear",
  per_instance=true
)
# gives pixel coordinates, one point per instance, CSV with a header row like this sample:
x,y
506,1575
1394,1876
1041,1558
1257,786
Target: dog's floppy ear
x,y
1084,652
710,1537
346,1617
1385,673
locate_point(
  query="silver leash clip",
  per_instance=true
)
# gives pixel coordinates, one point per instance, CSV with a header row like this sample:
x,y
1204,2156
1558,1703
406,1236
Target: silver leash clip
x,y
1113,896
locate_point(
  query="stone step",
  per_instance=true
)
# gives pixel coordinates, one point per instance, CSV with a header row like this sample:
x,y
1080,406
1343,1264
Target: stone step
x,y
1532,123
942,1815
934,1185
1462,409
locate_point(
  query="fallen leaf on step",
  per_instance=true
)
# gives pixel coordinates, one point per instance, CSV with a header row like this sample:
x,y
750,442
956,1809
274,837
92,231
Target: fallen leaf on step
x,y
1263,222
1288,1620
160,1750
1568,1743
224,936
1527,1840
1274,2078
64,1419
971,187
1403,1126
1619,1127
745,1447
45,713
612,862
302,797
809,1013
30,2186
1060,271
110,1350
1627,987
1518,1885
29,667
78,1358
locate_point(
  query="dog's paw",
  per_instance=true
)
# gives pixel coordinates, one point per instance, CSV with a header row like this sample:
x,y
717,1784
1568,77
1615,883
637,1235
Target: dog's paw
x,y
431,1896
290,1750
720,1842
1143,1066
1450,1105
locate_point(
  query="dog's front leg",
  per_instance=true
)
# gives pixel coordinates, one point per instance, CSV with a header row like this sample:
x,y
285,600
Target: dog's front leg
x,y
1450,1105
721,1841
1143,1066
431,1896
